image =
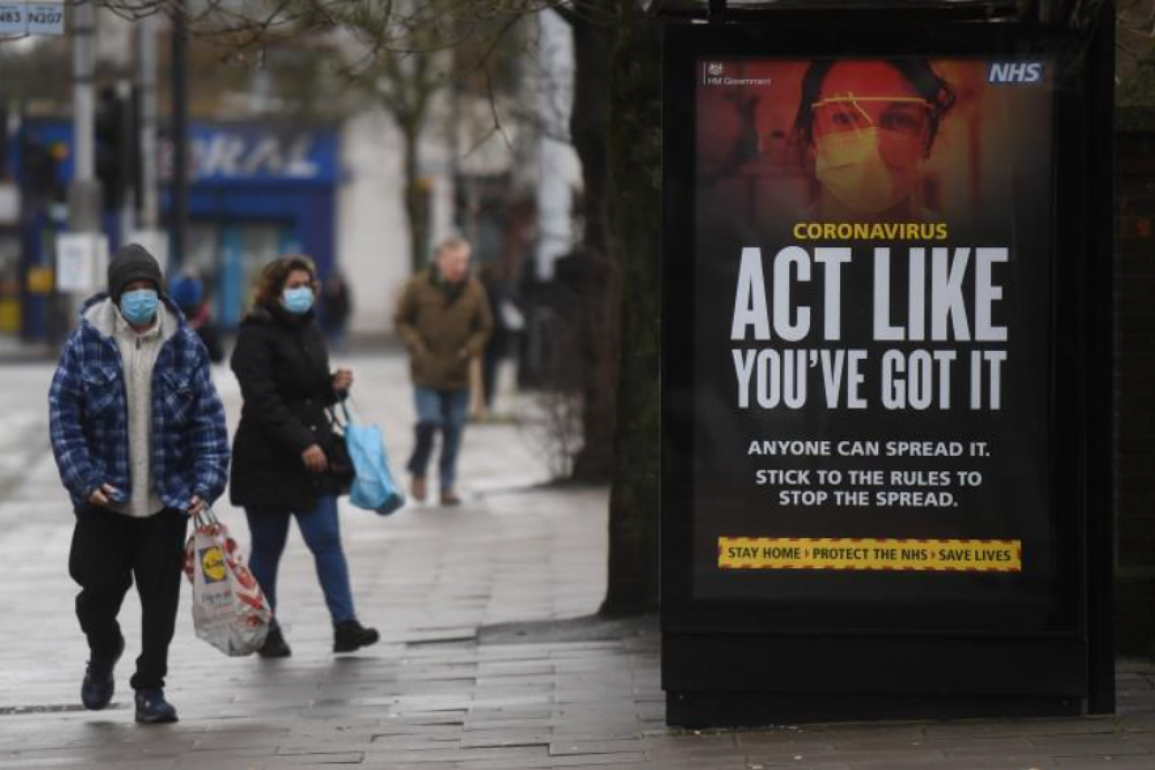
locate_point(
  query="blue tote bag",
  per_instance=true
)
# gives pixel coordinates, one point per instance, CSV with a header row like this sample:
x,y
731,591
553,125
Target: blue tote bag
x,y
373,488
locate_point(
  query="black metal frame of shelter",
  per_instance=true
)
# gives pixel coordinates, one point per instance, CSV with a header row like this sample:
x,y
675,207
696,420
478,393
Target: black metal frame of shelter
x,y
730,663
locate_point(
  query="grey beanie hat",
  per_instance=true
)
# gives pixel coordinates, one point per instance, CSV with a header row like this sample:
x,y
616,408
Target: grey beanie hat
x,y
132,263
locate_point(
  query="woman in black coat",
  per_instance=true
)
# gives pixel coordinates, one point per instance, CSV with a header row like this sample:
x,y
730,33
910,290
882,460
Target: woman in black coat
x,y
284,447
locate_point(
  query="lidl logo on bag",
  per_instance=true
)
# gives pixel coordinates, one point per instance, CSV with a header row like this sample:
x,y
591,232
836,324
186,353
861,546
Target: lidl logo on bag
x,y
1015,72
213,564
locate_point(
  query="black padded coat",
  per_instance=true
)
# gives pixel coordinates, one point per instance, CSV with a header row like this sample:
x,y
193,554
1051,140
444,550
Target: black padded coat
x,y
282,365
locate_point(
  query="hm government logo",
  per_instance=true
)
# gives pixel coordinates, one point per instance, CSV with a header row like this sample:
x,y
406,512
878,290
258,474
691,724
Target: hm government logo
x,y
714,74
1015,73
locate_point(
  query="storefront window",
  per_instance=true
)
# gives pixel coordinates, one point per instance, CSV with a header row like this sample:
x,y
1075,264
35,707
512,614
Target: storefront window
x,y
230,256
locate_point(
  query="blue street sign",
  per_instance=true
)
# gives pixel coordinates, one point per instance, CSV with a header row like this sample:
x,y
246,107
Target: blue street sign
x,y
13,20
46,18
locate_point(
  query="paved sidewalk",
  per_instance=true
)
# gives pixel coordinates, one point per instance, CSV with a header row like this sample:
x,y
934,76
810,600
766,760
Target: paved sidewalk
x,y
461,679
15,351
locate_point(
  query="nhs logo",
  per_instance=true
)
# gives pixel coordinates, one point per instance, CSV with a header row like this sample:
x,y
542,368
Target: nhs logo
x,y
1015,72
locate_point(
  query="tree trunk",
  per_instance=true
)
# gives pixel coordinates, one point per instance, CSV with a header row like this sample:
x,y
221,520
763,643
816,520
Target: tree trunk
x,y
416,197
589,124
635,160
597,285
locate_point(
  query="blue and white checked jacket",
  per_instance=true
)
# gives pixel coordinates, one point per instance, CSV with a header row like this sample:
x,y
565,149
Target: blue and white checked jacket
x,y
88,411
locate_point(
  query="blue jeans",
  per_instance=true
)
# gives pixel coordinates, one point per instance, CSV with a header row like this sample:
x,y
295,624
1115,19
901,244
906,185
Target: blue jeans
x,y
445,410
270,529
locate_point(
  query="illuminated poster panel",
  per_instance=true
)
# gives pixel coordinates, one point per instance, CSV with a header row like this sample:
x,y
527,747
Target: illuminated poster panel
x,y
873,262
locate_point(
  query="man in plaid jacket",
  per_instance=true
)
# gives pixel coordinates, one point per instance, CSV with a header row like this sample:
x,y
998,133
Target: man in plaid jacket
x,y
139,436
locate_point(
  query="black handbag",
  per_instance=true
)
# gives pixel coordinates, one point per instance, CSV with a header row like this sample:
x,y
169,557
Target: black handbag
x,y
340,472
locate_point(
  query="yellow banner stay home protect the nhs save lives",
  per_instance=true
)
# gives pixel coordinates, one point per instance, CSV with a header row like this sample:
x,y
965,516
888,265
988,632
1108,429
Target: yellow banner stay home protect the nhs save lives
x,y
870,554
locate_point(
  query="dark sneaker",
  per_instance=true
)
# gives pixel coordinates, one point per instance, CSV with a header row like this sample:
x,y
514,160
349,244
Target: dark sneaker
x,y
275,645
152,708
450,499
349,635
99,685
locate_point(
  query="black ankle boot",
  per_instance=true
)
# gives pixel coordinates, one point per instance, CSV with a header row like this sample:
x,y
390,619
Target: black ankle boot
x,y
275,645
349,635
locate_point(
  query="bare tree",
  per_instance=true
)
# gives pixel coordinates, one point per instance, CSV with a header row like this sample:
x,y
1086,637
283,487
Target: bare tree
x,y
402,61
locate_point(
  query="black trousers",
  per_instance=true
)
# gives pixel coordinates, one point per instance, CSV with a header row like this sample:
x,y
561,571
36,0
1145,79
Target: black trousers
x,y
108,551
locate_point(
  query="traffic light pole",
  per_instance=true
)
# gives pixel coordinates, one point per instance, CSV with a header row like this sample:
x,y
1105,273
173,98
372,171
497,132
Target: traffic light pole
x,y
126,165
179,211
84,191
149,205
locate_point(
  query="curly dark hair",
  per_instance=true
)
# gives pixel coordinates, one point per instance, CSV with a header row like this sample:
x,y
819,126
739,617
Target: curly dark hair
x,y
273,276
918,72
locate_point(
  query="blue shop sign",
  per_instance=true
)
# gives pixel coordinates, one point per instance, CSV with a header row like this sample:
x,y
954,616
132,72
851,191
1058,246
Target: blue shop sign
x,y
246,153
228,153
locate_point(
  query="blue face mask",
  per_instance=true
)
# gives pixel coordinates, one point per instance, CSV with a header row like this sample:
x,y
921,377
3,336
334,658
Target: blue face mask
x,y
297,301
138,307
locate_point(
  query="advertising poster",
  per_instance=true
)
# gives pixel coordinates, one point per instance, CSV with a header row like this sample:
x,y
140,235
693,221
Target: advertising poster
x,y
873,323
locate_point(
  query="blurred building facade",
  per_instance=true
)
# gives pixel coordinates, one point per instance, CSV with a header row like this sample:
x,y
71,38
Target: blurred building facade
x,y
270,175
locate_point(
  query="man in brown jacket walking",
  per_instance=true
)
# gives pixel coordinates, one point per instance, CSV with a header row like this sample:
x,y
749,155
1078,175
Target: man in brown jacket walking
x,y
445,320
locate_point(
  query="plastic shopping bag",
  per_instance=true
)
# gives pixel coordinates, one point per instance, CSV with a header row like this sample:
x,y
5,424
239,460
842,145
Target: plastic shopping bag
x,y
373,488
229,608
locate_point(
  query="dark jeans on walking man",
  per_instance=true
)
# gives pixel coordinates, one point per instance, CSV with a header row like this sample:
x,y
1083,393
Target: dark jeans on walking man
x,y
445,411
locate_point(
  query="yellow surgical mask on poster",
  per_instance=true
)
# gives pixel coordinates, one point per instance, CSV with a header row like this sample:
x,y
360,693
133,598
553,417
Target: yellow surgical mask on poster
x,y
854,168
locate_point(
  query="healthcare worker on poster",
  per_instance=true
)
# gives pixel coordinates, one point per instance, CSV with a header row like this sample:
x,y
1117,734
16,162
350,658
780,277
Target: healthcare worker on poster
x,y
865,127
